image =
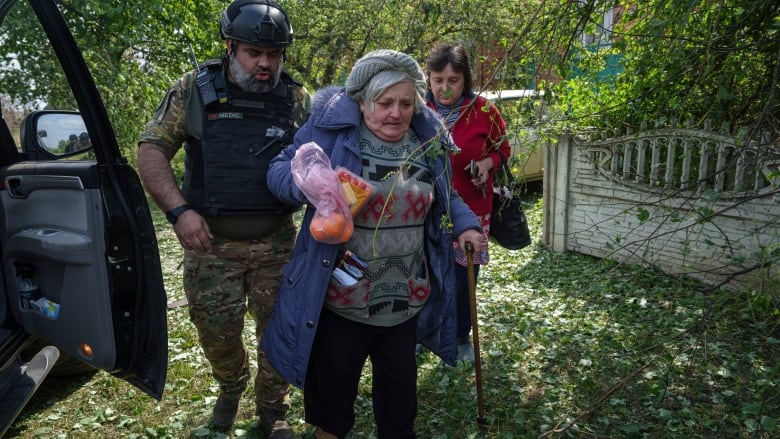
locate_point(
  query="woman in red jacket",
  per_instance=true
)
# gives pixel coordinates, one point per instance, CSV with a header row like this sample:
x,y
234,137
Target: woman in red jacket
x,y
480,132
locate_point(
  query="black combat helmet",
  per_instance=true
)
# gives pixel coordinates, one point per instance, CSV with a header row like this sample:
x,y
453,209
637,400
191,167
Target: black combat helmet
x,y
261,22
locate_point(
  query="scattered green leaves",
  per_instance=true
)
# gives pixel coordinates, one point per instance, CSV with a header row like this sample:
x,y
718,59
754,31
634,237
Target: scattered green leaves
x,y
571,346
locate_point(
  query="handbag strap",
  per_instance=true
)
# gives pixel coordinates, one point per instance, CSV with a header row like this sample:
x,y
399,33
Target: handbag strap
x,y
508,172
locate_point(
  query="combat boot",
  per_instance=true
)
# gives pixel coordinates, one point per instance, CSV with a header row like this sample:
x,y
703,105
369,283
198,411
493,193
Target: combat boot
x,y
225,411
274,425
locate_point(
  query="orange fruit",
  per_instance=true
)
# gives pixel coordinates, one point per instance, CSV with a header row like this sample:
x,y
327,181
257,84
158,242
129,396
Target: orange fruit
x,y
332,229
346,233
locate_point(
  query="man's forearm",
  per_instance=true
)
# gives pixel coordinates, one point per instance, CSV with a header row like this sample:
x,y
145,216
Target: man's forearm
x,y
158,178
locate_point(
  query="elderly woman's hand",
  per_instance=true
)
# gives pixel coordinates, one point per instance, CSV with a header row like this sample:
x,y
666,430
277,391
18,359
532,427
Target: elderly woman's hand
x,y
470,235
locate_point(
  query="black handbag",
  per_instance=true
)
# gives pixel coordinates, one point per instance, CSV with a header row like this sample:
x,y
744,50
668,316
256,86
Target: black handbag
x,y
508,225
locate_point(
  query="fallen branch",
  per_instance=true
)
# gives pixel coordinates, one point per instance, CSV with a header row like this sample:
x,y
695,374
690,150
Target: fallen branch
x,y
615,387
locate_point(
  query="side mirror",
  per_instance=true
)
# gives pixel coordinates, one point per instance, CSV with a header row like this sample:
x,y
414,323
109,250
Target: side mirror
x,y
54,134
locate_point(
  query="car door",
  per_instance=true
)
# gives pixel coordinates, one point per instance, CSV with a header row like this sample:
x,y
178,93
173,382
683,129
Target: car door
x,y
80,264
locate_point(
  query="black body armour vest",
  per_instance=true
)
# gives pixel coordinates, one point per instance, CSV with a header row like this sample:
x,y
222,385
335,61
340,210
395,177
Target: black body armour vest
x,y
225,172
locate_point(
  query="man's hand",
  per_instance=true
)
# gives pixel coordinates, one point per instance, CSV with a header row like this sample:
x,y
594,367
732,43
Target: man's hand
x,y
156,173
193,232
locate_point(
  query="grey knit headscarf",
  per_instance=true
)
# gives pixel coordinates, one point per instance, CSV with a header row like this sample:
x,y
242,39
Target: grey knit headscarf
x,y
378,61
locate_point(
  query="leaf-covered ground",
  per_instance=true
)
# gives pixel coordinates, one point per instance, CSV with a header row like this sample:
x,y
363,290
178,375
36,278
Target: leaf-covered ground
x,y
571,346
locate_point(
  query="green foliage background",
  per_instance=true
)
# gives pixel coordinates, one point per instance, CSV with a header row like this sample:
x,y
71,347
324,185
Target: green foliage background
x,y
680,60
707,61
571,346
622,351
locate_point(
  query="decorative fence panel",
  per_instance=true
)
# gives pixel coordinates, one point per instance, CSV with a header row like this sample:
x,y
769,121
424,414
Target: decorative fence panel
x,y
684,201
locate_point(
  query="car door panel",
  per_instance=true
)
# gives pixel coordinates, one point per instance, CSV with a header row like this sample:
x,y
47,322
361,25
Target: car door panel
x,y
54,232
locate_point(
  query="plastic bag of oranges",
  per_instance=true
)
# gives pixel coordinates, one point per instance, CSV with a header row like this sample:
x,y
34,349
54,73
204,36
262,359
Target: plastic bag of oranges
x,y
312,173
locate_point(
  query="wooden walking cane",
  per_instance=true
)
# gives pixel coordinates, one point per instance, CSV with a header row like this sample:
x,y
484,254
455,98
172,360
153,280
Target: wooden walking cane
x,y
481,420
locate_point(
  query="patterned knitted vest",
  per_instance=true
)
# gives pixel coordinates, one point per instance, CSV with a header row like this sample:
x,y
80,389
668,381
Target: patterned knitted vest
x,y
389,236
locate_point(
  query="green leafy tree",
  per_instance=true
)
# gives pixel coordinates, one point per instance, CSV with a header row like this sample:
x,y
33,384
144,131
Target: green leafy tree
x,y
331,35
135,50
708,62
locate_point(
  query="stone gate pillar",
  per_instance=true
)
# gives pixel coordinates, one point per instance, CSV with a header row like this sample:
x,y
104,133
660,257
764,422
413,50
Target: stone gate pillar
x,y
555,192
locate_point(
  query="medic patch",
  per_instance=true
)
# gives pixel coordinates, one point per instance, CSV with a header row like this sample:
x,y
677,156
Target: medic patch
x,y
225,115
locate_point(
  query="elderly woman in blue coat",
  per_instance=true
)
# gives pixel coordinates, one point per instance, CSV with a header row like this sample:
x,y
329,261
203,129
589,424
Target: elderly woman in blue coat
x,y
400,290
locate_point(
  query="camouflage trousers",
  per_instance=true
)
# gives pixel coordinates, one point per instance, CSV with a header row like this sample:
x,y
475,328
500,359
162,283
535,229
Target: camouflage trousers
x,y
221,286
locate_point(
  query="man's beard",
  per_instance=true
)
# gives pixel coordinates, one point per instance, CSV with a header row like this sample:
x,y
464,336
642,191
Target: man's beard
x,y
247,82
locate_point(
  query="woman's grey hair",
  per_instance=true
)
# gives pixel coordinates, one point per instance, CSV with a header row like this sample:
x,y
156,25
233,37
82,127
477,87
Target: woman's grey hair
x,y
385,79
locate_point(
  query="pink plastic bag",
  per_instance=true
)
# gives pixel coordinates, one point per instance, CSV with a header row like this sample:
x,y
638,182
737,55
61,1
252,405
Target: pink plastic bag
x,y
319,182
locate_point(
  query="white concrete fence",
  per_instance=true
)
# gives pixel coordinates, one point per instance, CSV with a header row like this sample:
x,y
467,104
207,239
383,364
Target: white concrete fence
x,y
684,201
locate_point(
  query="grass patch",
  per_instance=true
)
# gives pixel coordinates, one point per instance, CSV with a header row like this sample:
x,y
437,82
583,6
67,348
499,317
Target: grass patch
x,y
572,346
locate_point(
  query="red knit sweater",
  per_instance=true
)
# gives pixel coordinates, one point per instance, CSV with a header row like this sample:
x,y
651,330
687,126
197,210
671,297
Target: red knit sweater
x,y
479,131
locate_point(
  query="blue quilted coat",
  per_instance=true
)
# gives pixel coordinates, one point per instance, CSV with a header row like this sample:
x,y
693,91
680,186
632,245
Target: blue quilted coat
x,y
334,126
